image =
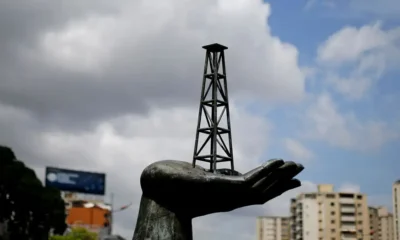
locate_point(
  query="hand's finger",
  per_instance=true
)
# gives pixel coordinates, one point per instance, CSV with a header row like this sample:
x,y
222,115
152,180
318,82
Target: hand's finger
x,y
287,171
279,189
288,174
258,173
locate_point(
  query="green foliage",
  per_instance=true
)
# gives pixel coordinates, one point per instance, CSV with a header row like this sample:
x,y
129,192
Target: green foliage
x,y
29,208
77,234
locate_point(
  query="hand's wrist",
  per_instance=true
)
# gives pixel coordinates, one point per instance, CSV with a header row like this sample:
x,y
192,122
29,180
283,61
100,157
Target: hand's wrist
x,y
157,222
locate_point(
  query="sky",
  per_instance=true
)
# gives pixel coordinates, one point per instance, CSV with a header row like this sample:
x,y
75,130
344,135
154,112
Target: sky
x,y
113,86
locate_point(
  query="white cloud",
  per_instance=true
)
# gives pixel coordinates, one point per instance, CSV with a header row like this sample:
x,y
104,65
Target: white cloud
x,y
130,69
349,187
354,59
124,146
169,44
325,122
297,150
349,43
82,45
353,88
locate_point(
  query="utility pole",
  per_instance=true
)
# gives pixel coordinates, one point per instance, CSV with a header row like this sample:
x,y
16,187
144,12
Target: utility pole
x,y
111,213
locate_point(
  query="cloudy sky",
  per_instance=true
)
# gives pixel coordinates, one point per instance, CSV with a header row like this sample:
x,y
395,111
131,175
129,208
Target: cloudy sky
x,y
112,86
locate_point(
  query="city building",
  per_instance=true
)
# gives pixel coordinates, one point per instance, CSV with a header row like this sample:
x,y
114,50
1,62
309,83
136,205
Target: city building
x,y
374,223
326,214
386,229
381,223
396,209
95,217
273,228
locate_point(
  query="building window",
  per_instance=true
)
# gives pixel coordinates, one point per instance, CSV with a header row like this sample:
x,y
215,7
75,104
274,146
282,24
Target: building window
x,y
348,214
359,196
332,204
332,221
332,213
333,230
313,196
346,195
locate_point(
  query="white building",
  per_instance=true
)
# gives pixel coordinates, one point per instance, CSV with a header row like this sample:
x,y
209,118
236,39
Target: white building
x,y
273,228
329,215
381,223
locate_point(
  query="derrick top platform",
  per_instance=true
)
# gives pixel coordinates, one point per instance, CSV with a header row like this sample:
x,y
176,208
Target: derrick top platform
x,y
215,47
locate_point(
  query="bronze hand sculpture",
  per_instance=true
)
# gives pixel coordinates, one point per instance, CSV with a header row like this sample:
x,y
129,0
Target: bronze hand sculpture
x,y
174,193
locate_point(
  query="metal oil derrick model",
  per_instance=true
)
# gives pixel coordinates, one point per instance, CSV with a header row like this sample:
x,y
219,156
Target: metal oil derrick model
x,y
214,108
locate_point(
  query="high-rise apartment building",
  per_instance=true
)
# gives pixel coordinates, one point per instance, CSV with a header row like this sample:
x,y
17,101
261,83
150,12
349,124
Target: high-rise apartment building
x,y
273,228
329,215
386,229
381,224
396,209
374,223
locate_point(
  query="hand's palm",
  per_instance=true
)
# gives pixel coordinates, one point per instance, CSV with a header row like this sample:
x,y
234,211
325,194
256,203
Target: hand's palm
x,y
195,192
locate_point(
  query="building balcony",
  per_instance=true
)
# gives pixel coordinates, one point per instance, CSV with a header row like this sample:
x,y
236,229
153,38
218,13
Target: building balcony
x,y
346,200
347,209
348,218
348,229
348,238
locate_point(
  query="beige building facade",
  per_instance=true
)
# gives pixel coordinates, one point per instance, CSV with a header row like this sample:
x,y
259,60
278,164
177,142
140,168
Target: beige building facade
x,y
396,209
329,215
381,223
374,223
273,228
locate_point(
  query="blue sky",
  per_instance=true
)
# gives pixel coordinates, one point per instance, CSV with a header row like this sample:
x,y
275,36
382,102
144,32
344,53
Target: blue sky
x,y
374,171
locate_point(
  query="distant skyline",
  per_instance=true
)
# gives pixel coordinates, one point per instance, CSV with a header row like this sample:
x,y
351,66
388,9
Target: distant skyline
x,y
112,86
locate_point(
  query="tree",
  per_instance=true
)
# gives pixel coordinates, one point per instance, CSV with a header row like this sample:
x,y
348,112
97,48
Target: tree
x,y
77,234
28,209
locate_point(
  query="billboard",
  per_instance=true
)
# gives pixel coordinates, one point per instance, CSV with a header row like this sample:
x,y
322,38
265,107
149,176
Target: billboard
x,y
75,181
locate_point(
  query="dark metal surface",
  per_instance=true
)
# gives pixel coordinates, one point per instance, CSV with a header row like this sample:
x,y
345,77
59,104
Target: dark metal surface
x,y
214,106
228,172
174,193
